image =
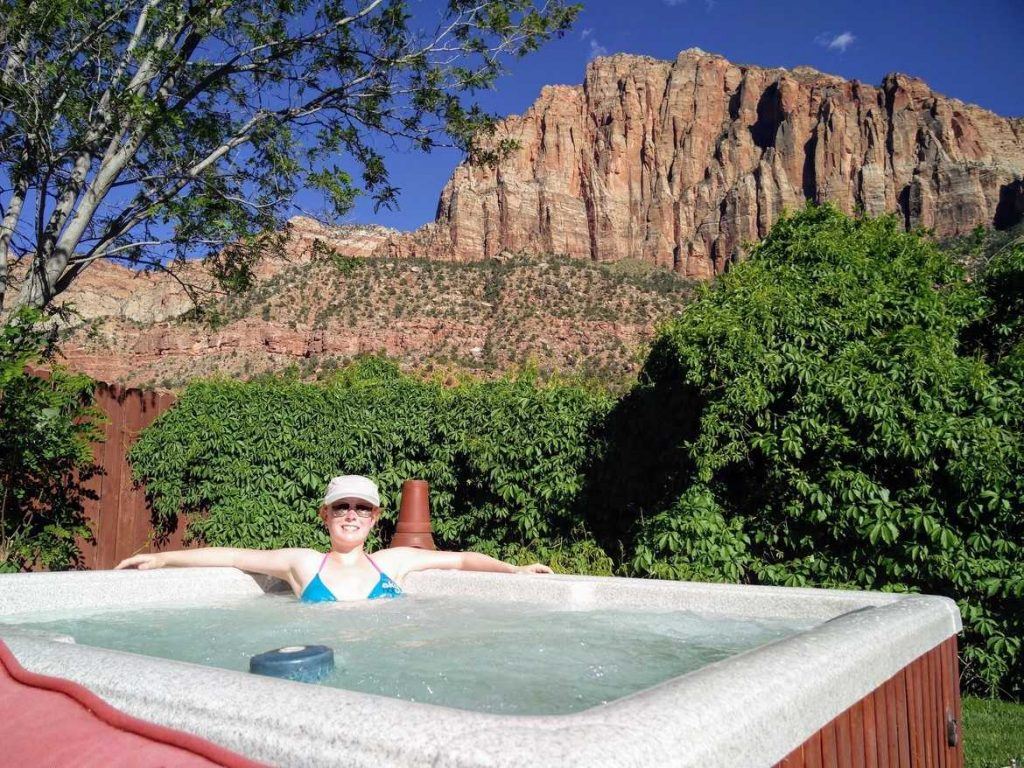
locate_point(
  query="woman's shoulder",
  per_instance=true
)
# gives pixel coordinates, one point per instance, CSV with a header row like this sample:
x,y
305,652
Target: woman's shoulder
x,y
298,552
302,558
403,559
394,558
392,553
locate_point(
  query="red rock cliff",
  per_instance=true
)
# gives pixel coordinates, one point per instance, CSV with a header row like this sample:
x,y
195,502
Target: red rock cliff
x,y
680,163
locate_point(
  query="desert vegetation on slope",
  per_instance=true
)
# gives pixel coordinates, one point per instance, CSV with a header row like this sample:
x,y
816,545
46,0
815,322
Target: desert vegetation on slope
x,y
552,313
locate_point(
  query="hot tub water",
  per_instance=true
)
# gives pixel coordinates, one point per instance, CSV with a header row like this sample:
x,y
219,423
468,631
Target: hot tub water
x,y
502,658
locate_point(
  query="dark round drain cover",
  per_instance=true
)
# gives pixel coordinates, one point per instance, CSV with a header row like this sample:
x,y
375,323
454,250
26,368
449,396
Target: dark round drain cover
x,y
307,663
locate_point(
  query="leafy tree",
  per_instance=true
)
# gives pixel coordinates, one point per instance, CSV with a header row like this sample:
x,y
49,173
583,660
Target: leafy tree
x,y
149,129
46,426
843,426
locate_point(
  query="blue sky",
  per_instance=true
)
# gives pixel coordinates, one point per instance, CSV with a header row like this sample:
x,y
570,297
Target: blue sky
x,y
967,50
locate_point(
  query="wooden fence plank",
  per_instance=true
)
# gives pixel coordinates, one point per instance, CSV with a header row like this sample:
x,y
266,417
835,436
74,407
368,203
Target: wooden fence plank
x,y
141,522
928,694
938,661
951,685
128,401
829,746
794,759
109,502
905,740
856,713
881,729
151,405
812,751
92,506
844,745
870,737
956,699
891,724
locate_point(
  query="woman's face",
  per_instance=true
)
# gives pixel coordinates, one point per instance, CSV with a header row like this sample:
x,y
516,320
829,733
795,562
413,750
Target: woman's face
x,y
349,519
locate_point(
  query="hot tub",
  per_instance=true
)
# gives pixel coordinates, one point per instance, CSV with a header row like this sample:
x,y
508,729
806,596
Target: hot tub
x,y
853,678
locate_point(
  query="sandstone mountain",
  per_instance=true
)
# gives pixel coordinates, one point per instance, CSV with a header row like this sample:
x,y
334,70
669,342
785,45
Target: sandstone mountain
x,y
648,164
681,163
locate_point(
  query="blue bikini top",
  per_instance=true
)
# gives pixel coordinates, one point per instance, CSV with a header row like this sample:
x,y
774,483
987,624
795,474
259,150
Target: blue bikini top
x,y
317,592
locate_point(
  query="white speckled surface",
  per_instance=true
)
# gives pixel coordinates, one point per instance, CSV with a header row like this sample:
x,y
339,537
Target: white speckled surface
x,y
748,710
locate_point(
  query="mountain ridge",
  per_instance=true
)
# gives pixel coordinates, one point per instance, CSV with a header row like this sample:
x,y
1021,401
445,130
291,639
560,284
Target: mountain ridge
x,y
652,163
681,162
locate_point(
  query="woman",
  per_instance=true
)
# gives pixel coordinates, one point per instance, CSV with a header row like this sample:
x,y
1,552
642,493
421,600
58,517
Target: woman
x,y
350,509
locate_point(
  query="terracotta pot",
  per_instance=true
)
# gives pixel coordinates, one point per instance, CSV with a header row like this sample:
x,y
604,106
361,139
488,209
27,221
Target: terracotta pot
x,y
413,529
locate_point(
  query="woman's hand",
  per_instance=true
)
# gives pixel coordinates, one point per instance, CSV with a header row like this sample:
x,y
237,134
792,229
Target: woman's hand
x,y
145,562
534,568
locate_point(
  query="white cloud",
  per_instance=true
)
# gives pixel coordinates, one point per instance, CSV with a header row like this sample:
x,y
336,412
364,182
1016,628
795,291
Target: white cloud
x,y
586,33
839,42
596,49
709,5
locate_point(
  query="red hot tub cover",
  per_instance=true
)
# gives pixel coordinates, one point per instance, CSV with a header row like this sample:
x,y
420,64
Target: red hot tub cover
x,y
47,721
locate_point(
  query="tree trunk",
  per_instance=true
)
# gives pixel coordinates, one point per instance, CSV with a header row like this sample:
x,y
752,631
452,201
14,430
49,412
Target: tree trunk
x,y
7,232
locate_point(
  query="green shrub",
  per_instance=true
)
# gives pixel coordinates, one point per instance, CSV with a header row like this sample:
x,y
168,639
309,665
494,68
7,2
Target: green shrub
x,y
575,556
46,427
1000,334
823,415
505,459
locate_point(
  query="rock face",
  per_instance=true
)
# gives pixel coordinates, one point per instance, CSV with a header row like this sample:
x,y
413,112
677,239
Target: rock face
x,y
681,163
110,290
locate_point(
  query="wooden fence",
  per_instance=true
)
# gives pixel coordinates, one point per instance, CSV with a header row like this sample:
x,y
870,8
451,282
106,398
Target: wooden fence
x,y
119,516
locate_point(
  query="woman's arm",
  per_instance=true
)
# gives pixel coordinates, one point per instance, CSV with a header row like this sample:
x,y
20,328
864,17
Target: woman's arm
x,y
408,559
474,561
272,562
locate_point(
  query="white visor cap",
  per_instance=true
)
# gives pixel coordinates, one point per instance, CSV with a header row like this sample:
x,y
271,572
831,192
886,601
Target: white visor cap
x,y
352,487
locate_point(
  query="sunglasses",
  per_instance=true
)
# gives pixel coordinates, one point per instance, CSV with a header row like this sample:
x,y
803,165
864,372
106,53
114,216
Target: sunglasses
x,y
343,508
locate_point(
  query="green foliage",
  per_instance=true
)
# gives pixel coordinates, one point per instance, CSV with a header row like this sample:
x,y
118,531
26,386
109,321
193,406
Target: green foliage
x,y
209,118
345,265
835,425
46,426
1000,334
577,556
505,459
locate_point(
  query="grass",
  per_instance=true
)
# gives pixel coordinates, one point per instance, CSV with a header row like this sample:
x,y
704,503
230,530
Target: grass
x,y
993,732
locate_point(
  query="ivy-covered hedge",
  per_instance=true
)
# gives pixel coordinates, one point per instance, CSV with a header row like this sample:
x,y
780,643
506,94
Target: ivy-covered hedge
x,y
505,460
844,409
